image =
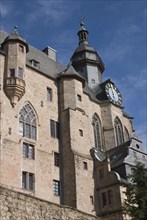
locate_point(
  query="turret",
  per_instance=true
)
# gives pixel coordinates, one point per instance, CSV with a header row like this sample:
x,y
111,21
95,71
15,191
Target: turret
x,y
86,60
15,48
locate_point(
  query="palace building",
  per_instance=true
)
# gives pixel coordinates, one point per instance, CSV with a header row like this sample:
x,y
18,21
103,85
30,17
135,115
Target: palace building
x,y
65,137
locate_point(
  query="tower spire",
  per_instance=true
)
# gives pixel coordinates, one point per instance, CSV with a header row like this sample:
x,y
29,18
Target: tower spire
x,y
83,33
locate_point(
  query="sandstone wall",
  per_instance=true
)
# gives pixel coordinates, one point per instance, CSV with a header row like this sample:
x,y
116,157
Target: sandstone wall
x,y
18,206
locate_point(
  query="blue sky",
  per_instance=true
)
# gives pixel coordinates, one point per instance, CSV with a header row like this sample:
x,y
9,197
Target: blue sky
x,y
117,30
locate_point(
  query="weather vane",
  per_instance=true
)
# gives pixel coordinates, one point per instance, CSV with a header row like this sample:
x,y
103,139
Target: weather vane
x,y
15,29
82,23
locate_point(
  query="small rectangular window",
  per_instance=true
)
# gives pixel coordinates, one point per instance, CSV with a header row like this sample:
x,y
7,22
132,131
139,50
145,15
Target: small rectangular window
x,y
85,165
56,159
91,200
28,151
56,187
110,196
21,48
101,173
81,132
104,199
12,73
27,181
79,97
54,129
20,73
24,180
49,94
35,63
31,181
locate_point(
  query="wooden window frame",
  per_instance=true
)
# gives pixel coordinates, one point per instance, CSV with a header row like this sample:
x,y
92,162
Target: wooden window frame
x,y
56,159
28,181
54,129
27,153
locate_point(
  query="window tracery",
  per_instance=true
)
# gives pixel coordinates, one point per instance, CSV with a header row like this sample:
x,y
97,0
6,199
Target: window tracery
x,y
118,131
97,132
27,122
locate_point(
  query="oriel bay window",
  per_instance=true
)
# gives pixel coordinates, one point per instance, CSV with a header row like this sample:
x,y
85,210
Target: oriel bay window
x,y
27,122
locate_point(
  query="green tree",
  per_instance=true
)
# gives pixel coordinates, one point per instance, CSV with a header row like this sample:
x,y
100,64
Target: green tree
x,y
135,203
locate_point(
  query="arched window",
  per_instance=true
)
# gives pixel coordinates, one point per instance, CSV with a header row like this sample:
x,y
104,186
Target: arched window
x,y
27,122
97,132
126,134
118,131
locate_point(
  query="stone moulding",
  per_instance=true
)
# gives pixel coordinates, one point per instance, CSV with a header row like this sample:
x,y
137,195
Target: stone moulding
x,y
14,89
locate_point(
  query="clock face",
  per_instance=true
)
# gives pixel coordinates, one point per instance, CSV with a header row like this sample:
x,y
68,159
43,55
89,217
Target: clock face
x,y
113,94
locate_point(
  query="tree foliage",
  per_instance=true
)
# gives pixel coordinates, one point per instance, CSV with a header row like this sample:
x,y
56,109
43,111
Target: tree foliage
x,y
135,203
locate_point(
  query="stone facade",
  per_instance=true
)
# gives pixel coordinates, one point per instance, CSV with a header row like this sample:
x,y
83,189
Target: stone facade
x,y
14,205
51,118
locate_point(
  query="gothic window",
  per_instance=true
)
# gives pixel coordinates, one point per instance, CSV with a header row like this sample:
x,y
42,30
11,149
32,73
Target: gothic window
x,y
27,122
126,133
118,131
97,132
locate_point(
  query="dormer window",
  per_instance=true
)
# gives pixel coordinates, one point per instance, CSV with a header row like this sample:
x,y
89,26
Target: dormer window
x,y
35,63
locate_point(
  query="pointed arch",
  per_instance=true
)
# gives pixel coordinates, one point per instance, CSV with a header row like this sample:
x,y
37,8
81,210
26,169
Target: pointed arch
x,y
97,129
27,122
118,131
126,134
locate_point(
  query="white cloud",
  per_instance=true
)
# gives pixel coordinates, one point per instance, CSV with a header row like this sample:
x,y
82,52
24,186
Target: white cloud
x,y
121,44
4,10
51,11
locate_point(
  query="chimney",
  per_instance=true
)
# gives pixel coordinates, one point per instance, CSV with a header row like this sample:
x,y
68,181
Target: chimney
x,y
50,52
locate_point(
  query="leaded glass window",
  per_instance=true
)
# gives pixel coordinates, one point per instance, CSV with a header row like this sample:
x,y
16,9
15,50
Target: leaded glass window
x,y
118,131
27,122
97,132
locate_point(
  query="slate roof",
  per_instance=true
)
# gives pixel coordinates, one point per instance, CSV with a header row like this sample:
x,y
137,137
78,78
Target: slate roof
x,y
55,69
47,66
121,154
118,154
